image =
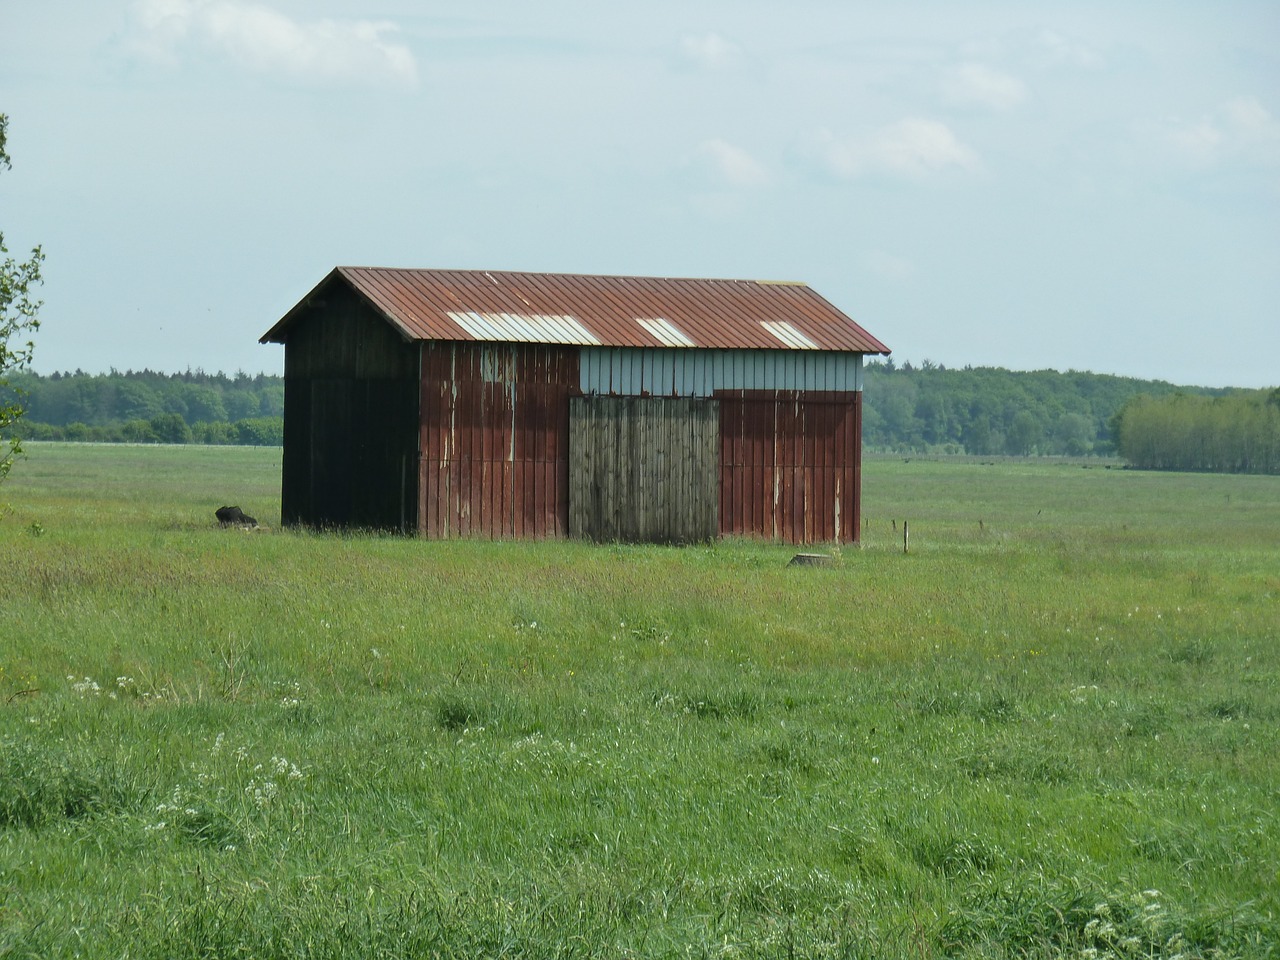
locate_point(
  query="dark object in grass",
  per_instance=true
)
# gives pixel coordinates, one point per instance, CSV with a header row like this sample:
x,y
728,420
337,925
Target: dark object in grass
x,y
234,515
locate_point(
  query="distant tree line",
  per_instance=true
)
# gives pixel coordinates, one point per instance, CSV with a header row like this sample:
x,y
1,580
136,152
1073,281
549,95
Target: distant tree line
x,y
981,411
144,406
987,411
1239,433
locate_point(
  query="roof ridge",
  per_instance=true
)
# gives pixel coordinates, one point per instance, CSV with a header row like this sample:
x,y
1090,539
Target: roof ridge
x,y
572,274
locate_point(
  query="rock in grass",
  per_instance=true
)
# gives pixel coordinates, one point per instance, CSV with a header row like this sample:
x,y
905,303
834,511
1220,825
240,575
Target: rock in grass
x,y
234,516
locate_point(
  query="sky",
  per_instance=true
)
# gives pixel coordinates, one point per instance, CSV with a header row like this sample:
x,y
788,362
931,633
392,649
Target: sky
x,y
1068,184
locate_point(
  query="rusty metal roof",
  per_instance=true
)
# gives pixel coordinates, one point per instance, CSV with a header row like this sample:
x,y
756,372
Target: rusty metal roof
x,y
594,310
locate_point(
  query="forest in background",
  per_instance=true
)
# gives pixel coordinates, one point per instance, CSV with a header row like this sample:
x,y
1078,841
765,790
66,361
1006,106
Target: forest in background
x,y
925,408
988,411
1239,433
145,406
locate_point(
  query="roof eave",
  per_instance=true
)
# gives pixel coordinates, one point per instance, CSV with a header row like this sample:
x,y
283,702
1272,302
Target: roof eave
x,y
278,333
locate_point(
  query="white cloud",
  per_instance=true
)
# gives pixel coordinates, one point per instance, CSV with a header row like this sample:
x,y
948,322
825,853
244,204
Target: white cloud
x,y
733,163
1242,127
1250,121
973,84
710,52
1198,141
266,41
913,147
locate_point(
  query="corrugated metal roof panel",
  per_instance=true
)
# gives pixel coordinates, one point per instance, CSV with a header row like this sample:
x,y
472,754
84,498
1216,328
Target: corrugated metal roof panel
x,y
597,310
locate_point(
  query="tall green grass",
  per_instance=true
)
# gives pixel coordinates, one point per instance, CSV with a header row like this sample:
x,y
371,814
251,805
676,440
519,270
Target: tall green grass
x,y
1048,730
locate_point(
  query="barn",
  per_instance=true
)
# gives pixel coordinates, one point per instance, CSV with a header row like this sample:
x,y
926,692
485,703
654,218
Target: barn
x,y
469,403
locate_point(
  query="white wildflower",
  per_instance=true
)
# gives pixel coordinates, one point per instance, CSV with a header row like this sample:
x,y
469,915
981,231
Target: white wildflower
x,y
86,686
261,792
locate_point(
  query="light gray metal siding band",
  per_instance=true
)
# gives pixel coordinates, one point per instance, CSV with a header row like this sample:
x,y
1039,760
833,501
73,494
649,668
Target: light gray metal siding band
x,y
671,372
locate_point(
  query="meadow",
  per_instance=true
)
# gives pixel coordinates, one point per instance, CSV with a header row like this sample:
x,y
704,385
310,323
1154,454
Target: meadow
x,y
1049,730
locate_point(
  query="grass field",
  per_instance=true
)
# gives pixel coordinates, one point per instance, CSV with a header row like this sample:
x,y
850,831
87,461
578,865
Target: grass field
x,y
1049,730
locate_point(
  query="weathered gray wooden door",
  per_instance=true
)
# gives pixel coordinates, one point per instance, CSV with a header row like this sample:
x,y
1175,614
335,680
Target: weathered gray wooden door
x,y
644,469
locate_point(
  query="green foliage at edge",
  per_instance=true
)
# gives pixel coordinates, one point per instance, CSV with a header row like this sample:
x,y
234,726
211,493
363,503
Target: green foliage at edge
x,y
18,310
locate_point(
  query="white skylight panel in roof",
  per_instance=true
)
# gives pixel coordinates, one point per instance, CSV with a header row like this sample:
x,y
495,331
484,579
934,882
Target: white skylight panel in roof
x,y
789,335
524,328
665,332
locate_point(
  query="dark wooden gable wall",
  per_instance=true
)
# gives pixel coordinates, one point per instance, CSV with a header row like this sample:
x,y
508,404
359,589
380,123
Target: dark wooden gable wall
x,y
351,412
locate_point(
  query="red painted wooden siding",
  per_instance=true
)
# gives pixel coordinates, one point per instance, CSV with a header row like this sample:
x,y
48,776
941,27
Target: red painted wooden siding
x,y
493,454
790,465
